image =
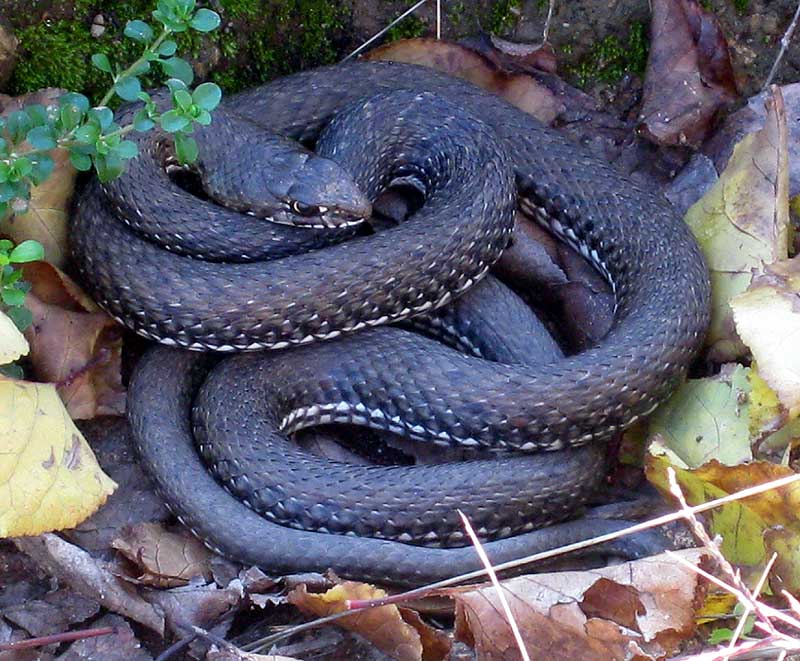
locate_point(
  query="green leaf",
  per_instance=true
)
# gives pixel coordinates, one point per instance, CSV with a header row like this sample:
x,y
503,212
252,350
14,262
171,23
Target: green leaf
x,y
109,166
126,150
12,296
12,370
27,251
5,172
172,121
128,88
88,133
207,96
101,61
37,114
138,31
79,101
182,98
141,121
8,191
22,166
167,48
41,137
80,162
21,317
18,125
203,118
205,20
176,67
70,117
43,167
6,246
140,68
185,148
3,148
103,116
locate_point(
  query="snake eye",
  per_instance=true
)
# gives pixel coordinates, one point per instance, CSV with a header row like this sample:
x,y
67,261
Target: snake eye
x,y
304,209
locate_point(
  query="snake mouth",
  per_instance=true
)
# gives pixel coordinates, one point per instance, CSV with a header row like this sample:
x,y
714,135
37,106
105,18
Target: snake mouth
x,y
324,224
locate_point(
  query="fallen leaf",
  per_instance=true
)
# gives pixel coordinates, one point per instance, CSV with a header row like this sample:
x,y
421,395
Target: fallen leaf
x,y
13,344
398,632
689,76
742,223
199,604
46,217
49,478
237,655
518,89
55,612
706,419
166,559
744,525
93,578
767,318
74,344
646,606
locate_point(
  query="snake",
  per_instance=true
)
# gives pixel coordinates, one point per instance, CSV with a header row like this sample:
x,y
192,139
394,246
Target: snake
x,y
326,318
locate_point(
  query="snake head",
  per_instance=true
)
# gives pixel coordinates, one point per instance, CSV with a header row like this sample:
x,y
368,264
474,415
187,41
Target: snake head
x,y
271,177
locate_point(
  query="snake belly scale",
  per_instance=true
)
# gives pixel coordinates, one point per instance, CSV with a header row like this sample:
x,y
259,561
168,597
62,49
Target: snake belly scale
x,y
386,378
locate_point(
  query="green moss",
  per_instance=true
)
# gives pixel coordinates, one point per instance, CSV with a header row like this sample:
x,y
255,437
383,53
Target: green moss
x,y
741,6
609,59
502,16
408,28
260,40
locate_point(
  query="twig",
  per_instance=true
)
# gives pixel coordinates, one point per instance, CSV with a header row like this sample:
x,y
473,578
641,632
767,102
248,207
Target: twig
x,y
382,32
438,19
787,37
65,637
546,31
500,590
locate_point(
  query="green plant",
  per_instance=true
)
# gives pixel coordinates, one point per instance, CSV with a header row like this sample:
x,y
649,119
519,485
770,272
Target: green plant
x,y
91,135
12,287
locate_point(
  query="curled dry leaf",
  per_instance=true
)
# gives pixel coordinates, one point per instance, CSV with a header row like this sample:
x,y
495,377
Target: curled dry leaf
x,y
744,525
49,478
46,217
238,655
13,344
90,577
689,75
398,632
767,319
640,609
518,89
742,223
73,344
166,559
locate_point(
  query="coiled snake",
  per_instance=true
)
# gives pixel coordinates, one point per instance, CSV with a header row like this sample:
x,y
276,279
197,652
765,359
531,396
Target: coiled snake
x,y
383,377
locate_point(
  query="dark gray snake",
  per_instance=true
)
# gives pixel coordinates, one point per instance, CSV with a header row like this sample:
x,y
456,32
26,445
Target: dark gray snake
x,y
383,377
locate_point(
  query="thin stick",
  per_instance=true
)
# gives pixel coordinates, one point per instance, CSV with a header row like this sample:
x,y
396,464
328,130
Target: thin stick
x,y
438,19
382,32
65,637
500,590
787,37
546,32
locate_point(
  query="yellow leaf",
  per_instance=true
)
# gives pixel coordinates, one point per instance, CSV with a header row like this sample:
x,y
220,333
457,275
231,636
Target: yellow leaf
x,y
767,318
13,344
742,222
49,478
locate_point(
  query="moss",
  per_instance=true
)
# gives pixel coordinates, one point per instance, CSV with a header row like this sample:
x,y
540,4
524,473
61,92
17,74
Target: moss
x,y
609,59
410,27
502,16
741,6
260,40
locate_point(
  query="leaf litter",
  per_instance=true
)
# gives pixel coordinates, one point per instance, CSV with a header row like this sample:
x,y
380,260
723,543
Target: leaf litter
x,y
730,427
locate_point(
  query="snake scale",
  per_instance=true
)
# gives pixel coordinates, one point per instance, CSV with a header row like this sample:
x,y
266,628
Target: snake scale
x,y
377,375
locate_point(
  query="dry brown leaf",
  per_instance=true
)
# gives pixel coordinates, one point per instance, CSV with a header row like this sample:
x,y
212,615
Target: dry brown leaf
x,y
689,74
46,218
90,577
398,632
166,559
73,344
640,609
518,89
